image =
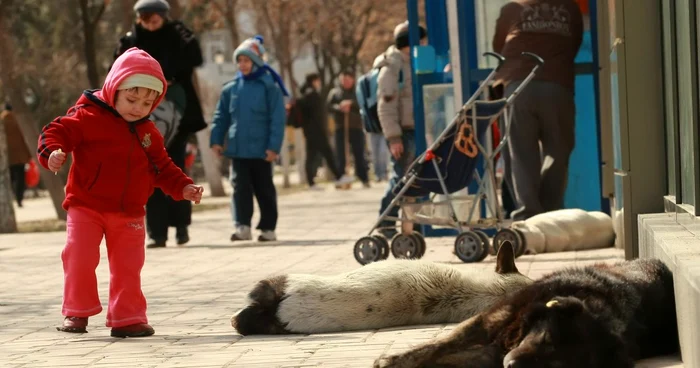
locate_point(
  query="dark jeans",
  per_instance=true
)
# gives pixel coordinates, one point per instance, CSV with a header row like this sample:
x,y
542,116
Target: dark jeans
x,y
357,146
545,114
398,170
253,177
319,147
17,181
161,210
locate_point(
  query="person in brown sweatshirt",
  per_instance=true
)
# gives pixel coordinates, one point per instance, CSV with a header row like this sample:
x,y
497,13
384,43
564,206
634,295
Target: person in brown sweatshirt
x,y
17,151
544,113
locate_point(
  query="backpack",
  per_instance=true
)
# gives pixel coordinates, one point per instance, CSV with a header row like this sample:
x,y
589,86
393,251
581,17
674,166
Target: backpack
x,y
366,92
167,116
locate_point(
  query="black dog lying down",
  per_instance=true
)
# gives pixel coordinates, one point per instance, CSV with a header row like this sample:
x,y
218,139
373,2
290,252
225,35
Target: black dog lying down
x,y
597,316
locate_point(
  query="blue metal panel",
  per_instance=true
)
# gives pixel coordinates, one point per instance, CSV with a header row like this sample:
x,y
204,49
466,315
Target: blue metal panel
x,y
418,109
466,16
416,88
436,24
593,12
584,185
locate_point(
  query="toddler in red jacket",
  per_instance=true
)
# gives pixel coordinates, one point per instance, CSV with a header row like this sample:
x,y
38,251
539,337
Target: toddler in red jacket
x,y
118,159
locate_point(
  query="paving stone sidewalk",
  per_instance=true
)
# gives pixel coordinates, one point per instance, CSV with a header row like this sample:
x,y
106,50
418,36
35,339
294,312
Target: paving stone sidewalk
x,y
192,292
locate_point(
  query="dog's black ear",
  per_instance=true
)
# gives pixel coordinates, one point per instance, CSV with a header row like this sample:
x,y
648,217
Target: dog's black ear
x,y
505,260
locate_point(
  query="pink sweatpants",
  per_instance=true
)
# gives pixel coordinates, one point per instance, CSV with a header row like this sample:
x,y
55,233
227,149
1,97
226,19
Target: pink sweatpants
x,y
125,237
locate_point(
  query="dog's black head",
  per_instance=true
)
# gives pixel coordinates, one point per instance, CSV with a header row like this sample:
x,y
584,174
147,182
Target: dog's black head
x,y
563,333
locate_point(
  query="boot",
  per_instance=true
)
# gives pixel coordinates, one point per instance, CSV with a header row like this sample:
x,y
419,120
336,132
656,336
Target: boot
x,y
182,235
74,325
157,243
135,330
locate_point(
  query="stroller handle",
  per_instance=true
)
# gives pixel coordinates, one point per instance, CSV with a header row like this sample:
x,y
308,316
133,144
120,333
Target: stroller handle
x,y
534,56
500,58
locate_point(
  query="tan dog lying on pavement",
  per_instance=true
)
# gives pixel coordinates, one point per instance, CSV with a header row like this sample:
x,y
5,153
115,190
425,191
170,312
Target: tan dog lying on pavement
x,y
378,295
566,230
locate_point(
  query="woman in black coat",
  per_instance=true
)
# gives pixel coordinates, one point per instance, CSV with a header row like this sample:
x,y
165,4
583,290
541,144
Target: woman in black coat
x,y
315,130
178,52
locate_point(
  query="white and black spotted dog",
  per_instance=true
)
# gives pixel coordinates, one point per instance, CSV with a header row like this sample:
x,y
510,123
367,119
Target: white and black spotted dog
x,y
378,295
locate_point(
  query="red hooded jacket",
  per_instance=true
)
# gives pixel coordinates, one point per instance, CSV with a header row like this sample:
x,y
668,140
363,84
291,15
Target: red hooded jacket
x,y
116,164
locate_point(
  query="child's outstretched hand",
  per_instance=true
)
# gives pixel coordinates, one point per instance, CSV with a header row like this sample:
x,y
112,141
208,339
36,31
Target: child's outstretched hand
x,y
193,193
56,160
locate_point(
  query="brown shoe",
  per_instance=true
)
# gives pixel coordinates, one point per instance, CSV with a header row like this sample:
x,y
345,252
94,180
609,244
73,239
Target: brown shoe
x,y
136,330
74,325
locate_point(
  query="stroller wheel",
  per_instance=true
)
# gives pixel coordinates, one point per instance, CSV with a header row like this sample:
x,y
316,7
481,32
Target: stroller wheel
x,y
469,247
367,250
487,243
418,236
523,243
405,246
512,236
384,244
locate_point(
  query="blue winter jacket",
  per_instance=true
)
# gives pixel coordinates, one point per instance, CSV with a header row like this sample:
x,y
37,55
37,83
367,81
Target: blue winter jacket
x,y
251,114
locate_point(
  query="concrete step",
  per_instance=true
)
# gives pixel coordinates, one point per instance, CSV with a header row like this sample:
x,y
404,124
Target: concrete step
x,y
675,240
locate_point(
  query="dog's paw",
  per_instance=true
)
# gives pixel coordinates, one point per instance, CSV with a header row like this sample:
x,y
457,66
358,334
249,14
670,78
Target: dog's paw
x,y
392,361
382,362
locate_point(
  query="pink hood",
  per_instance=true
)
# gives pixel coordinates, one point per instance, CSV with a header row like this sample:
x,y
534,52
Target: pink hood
x,y
132,61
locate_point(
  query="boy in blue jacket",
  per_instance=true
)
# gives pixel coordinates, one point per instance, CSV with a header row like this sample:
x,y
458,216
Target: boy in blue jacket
x,y
251,114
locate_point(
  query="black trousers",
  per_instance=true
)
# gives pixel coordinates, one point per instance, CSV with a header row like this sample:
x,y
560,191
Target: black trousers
x,y
253,177
356,139
315,147
17,182
161,210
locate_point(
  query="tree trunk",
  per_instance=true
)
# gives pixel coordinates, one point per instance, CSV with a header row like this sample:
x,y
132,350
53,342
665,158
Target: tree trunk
x,y
89,27
232,21
175,9
91,60
8,223
127,14
13,88
209,161
292,87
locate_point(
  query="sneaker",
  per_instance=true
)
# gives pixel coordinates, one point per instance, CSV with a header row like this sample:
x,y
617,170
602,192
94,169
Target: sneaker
x,y
74,325
267,235
344,180
366,185
316,188
182,235
136,330
242,233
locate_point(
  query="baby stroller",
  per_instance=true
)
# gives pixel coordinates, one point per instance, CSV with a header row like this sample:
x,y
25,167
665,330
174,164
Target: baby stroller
x,y
448,166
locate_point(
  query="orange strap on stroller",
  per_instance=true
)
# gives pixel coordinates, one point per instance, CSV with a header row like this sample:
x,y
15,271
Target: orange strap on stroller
x,y
464,140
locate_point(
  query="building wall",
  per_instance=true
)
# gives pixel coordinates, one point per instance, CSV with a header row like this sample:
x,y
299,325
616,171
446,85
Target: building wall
x,y
652,77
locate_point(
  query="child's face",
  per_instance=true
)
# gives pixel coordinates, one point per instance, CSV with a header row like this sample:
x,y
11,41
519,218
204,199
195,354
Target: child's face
x,y
135,103
245,65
